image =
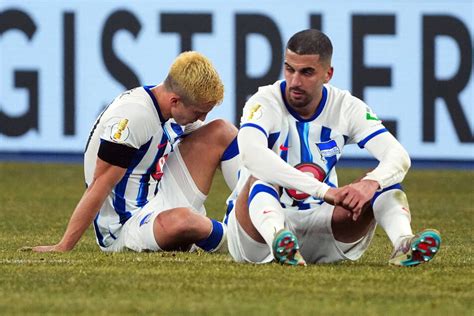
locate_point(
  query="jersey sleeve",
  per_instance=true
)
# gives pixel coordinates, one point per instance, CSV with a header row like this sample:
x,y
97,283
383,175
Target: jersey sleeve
x,y
132,129
394,160
362,123
123,134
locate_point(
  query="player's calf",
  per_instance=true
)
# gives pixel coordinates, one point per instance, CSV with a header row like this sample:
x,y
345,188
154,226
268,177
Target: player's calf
x,y
179,228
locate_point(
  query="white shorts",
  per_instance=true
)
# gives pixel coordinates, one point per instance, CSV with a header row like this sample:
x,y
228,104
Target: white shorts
x,y
175,189
313,230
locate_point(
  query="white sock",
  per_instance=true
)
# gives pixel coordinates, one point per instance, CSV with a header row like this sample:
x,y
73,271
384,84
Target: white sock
x,y
230,164
265,210
392,213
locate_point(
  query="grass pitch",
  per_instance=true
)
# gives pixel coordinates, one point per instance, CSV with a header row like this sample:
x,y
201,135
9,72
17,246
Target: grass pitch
x,y
36,201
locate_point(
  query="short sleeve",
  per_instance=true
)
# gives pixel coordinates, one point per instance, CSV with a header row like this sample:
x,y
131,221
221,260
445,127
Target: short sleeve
x,y
131,129
260,112
363,123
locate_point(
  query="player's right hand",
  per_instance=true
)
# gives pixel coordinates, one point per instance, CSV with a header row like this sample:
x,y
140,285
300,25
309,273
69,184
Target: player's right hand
x,y
49,248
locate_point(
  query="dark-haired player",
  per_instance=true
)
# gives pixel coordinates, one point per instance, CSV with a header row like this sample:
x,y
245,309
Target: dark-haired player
x,y
287,205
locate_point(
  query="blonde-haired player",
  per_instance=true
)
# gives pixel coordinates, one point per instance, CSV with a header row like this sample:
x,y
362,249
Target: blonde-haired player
x,y
149,164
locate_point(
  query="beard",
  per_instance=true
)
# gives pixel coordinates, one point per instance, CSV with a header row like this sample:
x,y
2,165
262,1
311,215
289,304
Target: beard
x,y
301,101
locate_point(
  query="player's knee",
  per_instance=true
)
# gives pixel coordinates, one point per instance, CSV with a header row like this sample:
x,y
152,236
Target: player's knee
x,y
223,131
176,222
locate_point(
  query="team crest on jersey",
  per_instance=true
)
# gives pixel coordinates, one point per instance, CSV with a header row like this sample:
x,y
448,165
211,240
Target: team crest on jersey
x,y
120,131
255,112
328,149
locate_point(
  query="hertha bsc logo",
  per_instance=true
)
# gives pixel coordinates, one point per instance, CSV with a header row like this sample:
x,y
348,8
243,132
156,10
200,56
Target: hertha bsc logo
x,y
311,169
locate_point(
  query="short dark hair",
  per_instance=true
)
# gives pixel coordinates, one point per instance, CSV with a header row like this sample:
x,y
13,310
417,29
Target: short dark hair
x,y
311,42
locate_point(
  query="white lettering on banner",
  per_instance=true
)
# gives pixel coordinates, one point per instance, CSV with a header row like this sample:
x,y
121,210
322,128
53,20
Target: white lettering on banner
x,y
63,62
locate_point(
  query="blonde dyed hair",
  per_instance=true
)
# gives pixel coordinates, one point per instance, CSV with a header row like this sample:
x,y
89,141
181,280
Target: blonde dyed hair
x,y
195,80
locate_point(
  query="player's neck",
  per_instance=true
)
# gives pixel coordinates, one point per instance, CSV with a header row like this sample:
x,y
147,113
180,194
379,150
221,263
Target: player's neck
x,y
161,95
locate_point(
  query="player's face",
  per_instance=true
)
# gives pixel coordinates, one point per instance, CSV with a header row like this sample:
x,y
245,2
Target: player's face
x,y
305,76
184,114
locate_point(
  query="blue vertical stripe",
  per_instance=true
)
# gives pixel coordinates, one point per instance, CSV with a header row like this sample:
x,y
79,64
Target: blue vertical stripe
x,y
230,207
303,133
145,179
272,138
284,153
98,234
120,205
330,161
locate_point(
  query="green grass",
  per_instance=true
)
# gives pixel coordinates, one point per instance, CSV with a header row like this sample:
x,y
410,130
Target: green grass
x,y
36,201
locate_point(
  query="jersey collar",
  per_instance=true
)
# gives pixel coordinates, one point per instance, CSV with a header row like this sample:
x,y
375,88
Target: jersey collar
x,y
155,102
320,108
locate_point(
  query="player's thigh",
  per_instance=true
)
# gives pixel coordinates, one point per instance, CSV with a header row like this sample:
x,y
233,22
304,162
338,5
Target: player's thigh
x,y
345,229
202,150
177,187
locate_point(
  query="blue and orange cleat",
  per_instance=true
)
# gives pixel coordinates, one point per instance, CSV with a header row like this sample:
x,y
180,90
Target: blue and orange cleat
x,y
413,250
286,249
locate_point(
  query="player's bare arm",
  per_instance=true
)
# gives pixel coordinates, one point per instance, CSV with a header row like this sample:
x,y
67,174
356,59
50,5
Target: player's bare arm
x,y
105,178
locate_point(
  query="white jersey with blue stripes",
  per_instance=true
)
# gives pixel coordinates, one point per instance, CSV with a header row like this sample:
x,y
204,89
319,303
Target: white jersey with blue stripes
x,y
312,145
133,119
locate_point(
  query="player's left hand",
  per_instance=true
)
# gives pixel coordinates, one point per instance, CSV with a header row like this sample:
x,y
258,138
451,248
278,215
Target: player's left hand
x,y
357,195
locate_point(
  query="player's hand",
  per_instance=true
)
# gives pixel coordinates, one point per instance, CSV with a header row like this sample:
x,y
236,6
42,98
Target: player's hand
x,y
335,196
357,195
49,248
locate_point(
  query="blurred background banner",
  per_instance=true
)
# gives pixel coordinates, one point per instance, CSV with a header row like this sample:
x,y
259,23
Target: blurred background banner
x,y
62,62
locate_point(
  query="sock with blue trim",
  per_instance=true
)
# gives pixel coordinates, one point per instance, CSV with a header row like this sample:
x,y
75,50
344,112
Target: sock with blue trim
x,y
216,238
392,213
265,210
230,164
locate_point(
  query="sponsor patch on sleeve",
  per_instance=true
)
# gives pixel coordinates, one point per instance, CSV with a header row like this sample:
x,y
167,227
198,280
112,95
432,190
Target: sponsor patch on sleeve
x,y
120,131
255,112
370,115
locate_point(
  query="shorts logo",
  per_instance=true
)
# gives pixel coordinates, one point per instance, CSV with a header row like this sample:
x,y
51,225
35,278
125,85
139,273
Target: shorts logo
x,y
328,149
146,219
120,131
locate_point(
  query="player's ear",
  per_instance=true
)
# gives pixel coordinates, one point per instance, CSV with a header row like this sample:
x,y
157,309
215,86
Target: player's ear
x,y
329,74
174,100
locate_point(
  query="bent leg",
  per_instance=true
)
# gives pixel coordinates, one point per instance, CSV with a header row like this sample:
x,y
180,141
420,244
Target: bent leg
x,y
348,231
203,149
257,232
179,228
258,211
